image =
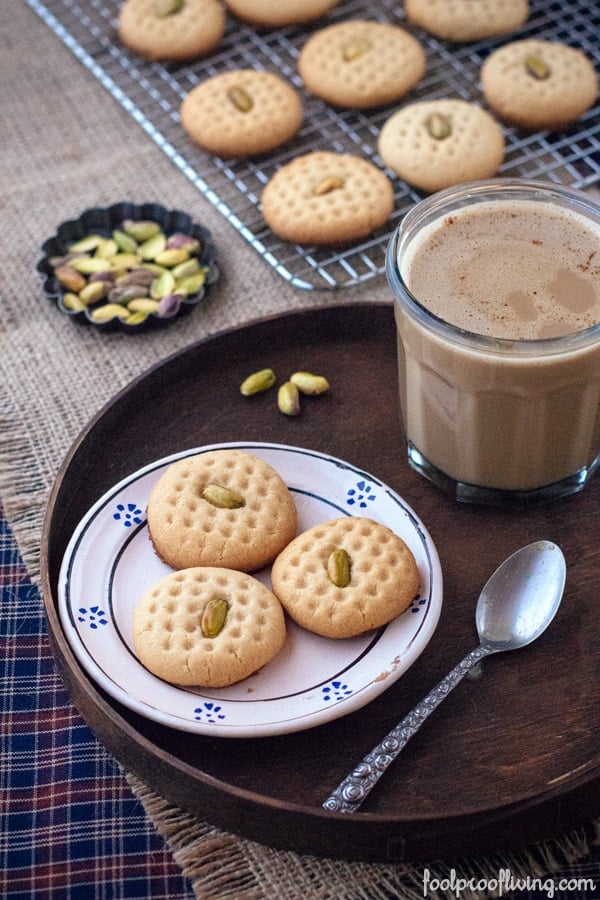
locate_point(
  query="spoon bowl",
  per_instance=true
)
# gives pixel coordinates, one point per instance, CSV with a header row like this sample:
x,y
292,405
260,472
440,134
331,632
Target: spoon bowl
x,y
522,597
516,605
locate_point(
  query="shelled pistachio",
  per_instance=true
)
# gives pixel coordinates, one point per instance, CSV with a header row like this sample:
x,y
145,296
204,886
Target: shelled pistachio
x,y
257,382
288,399
288,393
307,383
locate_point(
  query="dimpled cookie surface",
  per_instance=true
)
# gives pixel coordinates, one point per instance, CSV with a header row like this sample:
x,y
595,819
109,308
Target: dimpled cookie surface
x,y
171,30
241,113
467,20
277,13
327,198
361,64
433,144
207,626
539,84
380,577
220,508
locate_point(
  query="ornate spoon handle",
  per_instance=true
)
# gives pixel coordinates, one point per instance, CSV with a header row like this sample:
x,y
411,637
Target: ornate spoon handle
x,y
351,792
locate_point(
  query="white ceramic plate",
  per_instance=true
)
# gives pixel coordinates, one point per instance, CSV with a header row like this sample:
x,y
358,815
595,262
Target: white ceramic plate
x,y
110,563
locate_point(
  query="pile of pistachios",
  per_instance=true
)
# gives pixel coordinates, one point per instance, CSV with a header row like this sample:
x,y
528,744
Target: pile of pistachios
x,y
137,272
288,393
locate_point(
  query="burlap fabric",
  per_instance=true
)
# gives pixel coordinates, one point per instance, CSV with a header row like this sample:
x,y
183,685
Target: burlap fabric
x,y
66,145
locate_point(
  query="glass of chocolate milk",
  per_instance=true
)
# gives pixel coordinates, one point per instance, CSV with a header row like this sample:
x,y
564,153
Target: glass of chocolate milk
x,y
497,303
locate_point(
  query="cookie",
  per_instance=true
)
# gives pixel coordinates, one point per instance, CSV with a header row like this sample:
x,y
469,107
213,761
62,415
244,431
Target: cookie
x,y
539,84
327,198
207,627
433,144
267,14
361,64
220,508
242,113
383,577
171,30
467,20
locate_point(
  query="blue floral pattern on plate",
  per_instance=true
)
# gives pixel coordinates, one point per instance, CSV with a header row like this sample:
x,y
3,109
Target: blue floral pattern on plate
x,y
209,712
361,495
93,617
128,514
418,604
337,690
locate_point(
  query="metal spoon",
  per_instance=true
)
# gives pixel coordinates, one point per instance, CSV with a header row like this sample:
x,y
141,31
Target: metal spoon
x,y
515,606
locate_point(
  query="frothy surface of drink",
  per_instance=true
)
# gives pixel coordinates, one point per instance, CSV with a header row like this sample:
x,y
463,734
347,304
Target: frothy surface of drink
x,y
513,269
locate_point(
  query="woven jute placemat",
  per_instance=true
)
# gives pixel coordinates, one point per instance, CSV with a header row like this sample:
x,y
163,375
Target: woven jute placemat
x,y
67,146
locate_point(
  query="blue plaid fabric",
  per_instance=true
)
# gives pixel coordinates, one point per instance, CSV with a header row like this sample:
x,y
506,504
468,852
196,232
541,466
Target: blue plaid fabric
x,y
69,824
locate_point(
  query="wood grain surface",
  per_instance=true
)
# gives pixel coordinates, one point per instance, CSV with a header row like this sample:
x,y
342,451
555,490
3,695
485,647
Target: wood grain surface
x,y
510,757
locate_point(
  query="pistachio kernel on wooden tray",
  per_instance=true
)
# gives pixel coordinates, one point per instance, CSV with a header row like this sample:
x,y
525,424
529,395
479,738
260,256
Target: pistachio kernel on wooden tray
x,y
288,393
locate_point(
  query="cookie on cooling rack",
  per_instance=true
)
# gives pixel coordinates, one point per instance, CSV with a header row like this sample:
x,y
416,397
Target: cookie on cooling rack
x,y
267,14
345,576
327,198
463,21
220,508
171,30
361,64
208,627
539,84
433,144
242,113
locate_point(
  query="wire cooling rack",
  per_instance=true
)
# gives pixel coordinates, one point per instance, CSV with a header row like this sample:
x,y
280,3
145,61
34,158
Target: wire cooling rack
x,y
152,93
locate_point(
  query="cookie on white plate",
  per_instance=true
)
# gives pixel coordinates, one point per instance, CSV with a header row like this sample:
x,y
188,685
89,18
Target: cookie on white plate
x,y
345,576
220,508
207,627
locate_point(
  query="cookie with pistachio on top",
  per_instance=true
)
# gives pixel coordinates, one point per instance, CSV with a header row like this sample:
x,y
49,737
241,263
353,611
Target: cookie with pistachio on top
x,y
463,21
345,576
241,113
433,144
361,64
269,14
539,84
327,198
171,30
207,627
220,508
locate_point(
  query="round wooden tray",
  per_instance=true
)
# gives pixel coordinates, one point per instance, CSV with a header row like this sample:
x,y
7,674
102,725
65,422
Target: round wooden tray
x,y
509,758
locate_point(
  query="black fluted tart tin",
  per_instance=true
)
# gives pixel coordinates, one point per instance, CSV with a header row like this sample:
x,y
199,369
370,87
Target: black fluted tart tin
x,y
103,221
